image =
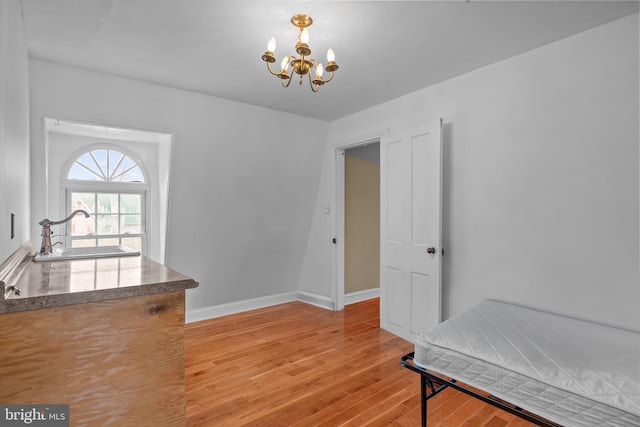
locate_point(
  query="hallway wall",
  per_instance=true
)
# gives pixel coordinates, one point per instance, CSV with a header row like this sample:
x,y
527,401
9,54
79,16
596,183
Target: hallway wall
x,y
362,224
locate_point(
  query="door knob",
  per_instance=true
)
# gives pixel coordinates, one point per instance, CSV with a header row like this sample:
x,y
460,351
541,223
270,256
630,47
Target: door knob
x,y
431,250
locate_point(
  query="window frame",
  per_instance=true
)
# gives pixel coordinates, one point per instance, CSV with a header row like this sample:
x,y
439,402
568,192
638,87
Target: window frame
x,y
69,186
109,189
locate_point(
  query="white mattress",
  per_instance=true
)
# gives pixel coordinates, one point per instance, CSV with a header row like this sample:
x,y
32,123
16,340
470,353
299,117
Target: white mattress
x,y
572,372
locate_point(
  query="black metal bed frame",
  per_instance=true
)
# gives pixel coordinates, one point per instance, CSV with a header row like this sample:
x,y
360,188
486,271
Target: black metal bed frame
x,y
437,383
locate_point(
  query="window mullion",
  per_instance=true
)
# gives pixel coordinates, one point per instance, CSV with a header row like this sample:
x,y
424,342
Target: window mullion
x,y
89,169
124,172
112,177
95,215
119,214
104,177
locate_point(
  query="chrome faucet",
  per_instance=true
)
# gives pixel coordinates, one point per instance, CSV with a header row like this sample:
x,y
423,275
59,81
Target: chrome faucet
x,y
45,247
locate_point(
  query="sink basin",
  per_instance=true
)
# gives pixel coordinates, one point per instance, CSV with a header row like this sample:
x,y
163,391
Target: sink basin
x,y
61,254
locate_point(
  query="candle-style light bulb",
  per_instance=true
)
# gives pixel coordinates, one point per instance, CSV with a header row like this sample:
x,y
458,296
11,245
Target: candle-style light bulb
x,y
285,63
271,46
304,36
319,71
330,55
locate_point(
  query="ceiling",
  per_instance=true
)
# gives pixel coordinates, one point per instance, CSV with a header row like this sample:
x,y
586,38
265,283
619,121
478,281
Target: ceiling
x,y
385,49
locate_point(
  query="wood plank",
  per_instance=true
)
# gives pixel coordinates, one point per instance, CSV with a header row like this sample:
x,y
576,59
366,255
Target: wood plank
x,y
301,366
117,362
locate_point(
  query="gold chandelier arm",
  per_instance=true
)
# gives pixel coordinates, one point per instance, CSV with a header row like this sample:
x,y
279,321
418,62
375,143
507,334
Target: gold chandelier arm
x,y
270,70
313,87
288,81
330,77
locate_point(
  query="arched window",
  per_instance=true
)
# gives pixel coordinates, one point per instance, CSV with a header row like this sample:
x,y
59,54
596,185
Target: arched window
x,y
111,185
107,165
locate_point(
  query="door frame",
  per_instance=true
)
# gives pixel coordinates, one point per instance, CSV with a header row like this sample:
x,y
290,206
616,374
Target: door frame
x,y
341,147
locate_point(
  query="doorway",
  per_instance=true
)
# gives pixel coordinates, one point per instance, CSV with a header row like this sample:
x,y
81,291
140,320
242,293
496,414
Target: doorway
x,y
361,223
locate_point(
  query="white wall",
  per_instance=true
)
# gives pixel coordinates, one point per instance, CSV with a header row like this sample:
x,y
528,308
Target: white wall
x,y
243,177
14,129
541,178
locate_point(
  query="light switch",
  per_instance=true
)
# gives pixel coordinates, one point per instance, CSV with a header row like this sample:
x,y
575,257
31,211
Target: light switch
x,y
326,209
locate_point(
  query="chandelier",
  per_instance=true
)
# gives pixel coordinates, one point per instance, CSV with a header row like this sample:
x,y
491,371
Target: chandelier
x,y
301,65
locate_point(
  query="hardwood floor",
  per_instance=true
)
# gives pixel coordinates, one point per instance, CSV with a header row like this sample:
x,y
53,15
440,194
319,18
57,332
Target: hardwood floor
x,y
299,365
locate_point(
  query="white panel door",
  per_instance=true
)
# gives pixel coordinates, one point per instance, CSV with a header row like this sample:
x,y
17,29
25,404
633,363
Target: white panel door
x,y
410,230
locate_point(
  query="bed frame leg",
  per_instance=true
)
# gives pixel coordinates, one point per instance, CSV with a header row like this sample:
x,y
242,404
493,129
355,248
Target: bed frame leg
x,y
423,400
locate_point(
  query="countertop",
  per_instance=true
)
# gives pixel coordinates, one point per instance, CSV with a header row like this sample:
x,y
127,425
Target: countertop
x,y
57,283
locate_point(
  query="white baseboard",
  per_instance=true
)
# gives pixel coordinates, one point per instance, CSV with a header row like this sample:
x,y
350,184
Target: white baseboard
x,y
315,299
198,314
354,297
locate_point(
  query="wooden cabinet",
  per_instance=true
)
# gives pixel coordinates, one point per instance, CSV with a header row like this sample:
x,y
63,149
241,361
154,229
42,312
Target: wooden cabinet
x,y
115,362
